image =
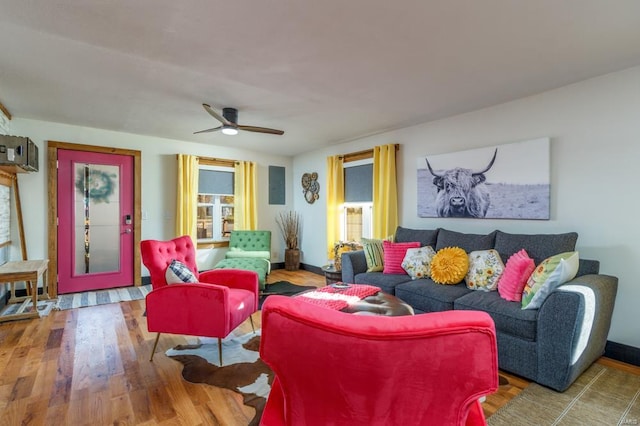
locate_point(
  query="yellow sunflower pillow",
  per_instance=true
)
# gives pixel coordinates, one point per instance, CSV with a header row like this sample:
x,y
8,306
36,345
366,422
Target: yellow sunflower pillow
x,y
449,265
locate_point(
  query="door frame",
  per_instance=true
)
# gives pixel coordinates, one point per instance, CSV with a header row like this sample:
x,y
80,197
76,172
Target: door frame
x,y
52,159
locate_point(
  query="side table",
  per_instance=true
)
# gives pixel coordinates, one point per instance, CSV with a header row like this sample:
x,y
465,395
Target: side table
x,y
331,274
28,271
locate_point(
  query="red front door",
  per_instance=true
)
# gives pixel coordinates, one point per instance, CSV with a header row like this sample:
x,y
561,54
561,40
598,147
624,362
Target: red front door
x,y
95,221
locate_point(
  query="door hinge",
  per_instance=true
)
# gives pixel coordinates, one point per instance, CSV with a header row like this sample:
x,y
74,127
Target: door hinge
x,y
57,164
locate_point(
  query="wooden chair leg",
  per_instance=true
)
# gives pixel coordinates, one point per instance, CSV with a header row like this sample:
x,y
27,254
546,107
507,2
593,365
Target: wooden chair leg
x,y
252,327
220,350
155,345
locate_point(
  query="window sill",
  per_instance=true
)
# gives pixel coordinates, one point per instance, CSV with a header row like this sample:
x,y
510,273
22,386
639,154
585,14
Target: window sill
x,y
212,244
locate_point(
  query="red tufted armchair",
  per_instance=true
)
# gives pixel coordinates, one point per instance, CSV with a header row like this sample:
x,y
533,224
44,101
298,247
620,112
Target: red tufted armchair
x,y
213,307
342,369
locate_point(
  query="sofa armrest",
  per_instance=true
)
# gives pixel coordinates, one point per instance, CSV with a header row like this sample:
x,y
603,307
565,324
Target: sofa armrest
x,y
353,263
573,325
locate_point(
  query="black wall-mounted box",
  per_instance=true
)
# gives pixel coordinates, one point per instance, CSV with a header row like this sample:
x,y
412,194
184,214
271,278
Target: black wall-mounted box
x,y
18,151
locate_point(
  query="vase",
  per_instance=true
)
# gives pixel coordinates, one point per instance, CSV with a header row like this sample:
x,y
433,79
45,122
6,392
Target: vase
x,y
292,259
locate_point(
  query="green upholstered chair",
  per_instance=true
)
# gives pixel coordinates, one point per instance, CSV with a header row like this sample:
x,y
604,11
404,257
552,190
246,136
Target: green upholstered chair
x,y
249,250
250,244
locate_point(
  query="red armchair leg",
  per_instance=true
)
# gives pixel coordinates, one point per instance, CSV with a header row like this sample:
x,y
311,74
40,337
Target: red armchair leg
x,y
220,350
155,345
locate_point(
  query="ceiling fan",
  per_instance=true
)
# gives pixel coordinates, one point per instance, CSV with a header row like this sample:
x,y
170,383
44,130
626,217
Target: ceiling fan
x,y
230,126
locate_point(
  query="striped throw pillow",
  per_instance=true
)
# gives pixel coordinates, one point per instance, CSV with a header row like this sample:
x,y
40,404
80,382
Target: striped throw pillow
x,y
394,255
374,254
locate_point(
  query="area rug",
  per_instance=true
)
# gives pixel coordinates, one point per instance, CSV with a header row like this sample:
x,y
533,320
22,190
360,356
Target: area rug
x,y
601,396
44,307
284,288
101,297
242,370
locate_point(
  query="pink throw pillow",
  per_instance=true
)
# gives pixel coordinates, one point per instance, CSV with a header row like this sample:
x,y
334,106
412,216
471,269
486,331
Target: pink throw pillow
x,y
394,255
517,271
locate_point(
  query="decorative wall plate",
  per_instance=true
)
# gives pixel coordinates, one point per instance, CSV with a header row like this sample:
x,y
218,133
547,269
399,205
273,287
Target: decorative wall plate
x,y
310,187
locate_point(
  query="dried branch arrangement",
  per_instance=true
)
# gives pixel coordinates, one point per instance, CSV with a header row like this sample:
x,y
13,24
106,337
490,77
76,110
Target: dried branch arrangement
x,y
289,224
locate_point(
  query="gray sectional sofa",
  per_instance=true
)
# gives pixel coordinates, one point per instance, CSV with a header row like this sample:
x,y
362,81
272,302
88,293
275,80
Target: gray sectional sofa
x,y
551,345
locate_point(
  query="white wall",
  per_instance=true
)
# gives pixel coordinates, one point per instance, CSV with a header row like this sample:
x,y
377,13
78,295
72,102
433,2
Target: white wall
x,y
159,170
594,128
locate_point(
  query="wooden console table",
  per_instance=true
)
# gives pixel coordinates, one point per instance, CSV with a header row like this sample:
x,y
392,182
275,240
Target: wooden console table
x,y
28,271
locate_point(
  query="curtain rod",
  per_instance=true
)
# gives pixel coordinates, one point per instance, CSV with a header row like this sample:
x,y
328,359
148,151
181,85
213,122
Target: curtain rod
x,y
361,155
208,161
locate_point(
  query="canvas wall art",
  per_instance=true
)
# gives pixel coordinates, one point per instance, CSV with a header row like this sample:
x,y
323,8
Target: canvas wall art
x,y
509,181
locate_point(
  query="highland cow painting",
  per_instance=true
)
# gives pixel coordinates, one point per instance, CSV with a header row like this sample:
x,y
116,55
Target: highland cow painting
x,y
508,181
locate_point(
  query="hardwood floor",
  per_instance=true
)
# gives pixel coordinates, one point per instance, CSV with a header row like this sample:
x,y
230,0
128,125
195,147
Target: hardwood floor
x,y
91,366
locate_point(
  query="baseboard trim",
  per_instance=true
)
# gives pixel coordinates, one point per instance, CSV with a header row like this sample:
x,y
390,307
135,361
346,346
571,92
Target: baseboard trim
x,y
303,266
624,353
311,268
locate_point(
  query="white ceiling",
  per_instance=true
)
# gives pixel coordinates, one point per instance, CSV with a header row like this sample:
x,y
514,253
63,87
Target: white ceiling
x,y
324,71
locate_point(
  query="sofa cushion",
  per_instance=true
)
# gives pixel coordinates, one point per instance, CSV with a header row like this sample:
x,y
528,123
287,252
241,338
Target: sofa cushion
x,y
539,246
509,317
260,266
417,262
426,237
386,282
178,272
549,275
427,296
374,254
394,255
588,266
485,268
449,266
467,242
516,273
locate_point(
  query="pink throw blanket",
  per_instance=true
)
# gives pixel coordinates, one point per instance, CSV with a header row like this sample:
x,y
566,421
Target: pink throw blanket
x,y
339,298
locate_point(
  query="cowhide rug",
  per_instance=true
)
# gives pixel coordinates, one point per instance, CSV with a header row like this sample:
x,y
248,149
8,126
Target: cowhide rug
x,y
242,370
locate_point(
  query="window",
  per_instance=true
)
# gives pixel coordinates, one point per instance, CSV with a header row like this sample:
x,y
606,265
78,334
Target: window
x,y
215,203
358,196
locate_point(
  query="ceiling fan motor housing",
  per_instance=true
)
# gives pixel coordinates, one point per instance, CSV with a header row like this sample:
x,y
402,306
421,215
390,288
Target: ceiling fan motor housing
x,y
231,114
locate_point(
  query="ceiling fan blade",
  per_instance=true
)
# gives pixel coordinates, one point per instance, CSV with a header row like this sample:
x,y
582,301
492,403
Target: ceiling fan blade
x,y
261,130
215,115
208,130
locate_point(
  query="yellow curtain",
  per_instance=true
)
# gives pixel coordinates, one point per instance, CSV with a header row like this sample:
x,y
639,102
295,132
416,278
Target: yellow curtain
x,y
187,196
385,193
245,214
335,200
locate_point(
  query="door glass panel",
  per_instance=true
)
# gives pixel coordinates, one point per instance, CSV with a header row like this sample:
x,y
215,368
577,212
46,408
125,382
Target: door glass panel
x,y
97,218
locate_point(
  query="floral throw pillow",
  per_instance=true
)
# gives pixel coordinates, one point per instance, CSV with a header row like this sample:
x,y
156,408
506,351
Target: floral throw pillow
x,y
485,268
549,275
178,272
449,265
417,262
